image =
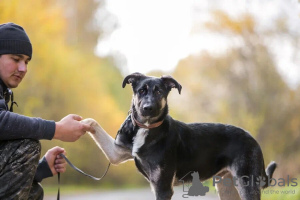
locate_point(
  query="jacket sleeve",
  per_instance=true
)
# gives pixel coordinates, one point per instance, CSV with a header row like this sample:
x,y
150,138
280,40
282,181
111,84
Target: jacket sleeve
x,y
43,170
15,126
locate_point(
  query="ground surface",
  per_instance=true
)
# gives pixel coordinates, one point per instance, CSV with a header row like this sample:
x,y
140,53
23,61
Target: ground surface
x,y
130,194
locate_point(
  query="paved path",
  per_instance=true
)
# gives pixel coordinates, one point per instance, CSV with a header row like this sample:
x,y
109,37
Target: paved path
x,y
130,194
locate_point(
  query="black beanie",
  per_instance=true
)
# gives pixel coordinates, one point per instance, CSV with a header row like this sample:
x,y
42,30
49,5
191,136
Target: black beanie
x,y
14,40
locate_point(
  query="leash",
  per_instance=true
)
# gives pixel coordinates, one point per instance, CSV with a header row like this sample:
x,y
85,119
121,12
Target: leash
x,y
80,171
135,123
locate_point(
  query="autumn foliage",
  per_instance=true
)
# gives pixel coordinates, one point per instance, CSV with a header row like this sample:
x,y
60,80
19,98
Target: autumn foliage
x,y
241,87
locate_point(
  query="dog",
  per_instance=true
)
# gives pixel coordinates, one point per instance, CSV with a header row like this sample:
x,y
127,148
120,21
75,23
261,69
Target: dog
x,y
165,150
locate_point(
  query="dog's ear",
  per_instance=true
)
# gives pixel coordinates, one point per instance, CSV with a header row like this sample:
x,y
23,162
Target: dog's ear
x,y
132,78
171,83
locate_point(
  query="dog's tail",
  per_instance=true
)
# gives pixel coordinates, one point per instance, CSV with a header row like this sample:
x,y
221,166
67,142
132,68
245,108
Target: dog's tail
x,y
269,171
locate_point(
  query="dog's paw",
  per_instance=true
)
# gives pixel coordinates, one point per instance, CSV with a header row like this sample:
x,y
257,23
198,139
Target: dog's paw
x,y
89,121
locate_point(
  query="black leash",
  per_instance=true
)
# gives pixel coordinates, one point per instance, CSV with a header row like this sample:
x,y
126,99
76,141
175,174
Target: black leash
x,y
9,96
80,171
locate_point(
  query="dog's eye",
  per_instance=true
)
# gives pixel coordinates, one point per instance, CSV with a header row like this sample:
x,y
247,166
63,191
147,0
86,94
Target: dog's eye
x,y
157,92
142,91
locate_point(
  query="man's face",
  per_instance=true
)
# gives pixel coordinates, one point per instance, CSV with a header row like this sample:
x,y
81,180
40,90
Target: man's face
x,y
13,68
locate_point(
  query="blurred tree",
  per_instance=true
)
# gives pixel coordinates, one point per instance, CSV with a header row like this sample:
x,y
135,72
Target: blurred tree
x,y
82,27
65,78
242,87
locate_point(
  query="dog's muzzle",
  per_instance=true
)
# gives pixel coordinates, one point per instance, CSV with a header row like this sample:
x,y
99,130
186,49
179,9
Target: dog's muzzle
x,y
147,110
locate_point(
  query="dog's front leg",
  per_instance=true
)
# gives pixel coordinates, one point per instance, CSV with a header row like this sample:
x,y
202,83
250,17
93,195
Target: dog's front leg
x,y
162,183
113,152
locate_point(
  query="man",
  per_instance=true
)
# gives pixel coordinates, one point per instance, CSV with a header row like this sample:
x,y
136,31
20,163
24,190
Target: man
x,y
20,168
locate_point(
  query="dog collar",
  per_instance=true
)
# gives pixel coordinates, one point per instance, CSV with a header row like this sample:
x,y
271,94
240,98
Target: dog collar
x,y
139,124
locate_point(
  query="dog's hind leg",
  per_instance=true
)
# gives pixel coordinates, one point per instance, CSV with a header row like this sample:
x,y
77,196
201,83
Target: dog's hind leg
x,y
113,152
248,190
227,191
246,170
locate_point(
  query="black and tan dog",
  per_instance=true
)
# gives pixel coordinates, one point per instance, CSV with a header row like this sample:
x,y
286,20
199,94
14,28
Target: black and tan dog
x,y
165,150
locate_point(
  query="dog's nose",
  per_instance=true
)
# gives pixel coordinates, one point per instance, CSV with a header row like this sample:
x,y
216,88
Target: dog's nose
x,y
147,108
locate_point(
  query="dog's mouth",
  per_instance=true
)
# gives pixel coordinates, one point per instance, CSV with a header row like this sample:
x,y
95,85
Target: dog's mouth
x,y
146,115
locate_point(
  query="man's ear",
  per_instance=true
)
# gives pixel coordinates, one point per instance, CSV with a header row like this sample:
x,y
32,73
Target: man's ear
x,y
171,83
132,79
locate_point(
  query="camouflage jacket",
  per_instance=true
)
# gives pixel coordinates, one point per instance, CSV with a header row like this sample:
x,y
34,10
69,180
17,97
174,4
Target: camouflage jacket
x,y
14,126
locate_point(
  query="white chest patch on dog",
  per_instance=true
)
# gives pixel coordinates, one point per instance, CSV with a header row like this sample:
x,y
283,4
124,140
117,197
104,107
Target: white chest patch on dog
x,y
139,140
147,124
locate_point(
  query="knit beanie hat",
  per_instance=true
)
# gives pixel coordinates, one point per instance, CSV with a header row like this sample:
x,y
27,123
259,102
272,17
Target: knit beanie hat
x,y
14,40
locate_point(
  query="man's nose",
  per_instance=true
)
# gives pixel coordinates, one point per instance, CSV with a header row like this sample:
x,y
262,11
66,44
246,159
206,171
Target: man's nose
x,y
22,67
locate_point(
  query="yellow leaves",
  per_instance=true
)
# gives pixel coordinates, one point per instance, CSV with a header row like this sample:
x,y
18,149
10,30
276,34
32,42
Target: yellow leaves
x,y
32,14
251,122
31,104
294,125
224,23
9,9
61,78
64,78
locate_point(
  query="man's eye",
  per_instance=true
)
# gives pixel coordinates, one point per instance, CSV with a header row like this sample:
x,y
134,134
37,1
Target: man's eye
x,y
16,59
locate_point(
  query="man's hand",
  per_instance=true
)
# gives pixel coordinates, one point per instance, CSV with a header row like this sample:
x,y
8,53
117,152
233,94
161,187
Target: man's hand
x,y
55,161
70,129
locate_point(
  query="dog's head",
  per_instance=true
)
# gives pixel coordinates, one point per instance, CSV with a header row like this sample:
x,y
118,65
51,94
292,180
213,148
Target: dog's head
x,y
150,94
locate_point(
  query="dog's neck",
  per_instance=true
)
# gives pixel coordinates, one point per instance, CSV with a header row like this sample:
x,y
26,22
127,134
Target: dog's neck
x,y
150,123
148,126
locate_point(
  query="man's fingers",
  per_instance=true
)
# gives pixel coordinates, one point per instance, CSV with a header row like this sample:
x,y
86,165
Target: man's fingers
x,y
60,161
61,152
88,128
60,157
56,151
76,117
60,168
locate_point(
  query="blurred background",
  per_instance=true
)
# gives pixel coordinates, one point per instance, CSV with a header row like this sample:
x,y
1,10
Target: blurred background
x,y
238,63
